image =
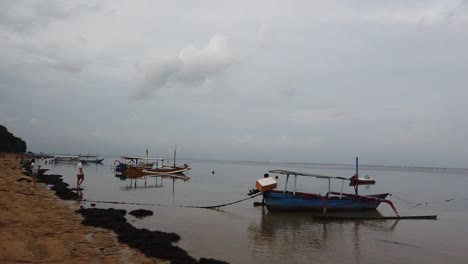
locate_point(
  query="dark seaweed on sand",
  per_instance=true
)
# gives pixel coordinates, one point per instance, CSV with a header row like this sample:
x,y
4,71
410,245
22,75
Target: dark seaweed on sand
x,y
61,188
141,213
151,243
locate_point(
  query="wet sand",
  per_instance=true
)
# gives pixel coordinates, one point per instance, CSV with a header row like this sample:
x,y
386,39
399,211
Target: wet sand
x,y
35,226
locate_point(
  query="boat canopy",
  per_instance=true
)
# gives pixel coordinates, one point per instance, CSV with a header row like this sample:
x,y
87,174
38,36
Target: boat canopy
x,y
286,172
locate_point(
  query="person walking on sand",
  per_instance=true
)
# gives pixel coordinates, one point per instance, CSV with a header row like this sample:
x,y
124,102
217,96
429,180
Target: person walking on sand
x,y
79,174
34,171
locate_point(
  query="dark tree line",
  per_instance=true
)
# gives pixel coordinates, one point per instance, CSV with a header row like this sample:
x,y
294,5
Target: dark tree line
x,y
10,143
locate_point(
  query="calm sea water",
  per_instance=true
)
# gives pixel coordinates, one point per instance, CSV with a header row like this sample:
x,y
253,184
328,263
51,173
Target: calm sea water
x,y
242,233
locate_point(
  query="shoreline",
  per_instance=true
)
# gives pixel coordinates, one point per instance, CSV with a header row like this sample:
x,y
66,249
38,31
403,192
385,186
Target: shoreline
x,y
106,231
36,226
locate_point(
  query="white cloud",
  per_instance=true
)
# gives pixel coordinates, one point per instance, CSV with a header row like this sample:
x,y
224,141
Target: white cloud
x,y
191,68
264,32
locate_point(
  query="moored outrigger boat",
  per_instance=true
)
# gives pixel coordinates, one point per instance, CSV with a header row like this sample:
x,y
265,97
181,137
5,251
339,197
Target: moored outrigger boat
x,y
90,158
66,159
287,200
135,167
142,168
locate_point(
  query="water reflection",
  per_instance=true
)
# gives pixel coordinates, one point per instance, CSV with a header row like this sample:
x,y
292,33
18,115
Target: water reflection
x,y
79,197
159,182
281,234
145,182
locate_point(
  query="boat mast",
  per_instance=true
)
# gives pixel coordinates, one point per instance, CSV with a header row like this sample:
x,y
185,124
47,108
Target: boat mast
x,y
357,166
175,151
357,176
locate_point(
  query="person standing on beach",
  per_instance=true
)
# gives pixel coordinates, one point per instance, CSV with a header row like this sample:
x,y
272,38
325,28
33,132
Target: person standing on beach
x,y
34,171
79,174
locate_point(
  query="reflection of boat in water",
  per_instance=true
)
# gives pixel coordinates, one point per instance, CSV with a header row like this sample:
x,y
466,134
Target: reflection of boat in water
x,y
90,158
173,176
275,222
278,234
292,200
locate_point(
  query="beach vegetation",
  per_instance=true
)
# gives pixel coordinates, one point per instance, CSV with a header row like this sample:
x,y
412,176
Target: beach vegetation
x,y
10,143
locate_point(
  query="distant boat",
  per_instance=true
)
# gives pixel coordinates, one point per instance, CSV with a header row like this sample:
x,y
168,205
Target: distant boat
x,y
40,155
135,167
90,158
66,159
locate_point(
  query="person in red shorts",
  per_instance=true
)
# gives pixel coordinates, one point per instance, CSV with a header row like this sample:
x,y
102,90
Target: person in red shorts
x,y
79,174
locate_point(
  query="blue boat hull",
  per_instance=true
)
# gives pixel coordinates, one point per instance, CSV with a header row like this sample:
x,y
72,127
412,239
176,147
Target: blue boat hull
x,y
279,201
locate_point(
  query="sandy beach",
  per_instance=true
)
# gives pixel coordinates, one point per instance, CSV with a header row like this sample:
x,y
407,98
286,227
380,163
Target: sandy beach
x,y
36,227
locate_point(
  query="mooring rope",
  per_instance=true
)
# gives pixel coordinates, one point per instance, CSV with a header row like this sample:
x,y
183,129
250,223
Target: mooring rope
x,y
429,205
113,202
186,206
221,205
403,200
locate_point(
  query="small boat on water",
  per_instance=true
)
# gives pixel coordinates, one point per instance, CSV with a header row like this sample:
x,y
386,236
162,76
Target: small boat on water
x,y
90,158
135,167
66,159
292,200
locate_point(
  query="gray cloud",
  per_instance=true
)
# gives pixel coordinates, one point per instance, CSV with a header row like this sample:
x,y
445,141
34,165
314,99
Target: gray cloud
x,y
28,16
309,81
68,66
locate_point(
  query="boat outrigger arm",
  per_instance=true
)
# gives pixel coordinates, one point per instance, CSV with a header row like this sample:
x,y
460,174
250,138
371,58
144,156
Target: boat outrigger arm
x,y
329,178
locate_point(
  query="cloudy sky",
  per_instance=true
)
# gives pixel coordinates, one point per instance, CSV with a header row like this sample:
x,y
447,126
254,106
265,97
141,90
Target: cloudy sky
x,y
301,81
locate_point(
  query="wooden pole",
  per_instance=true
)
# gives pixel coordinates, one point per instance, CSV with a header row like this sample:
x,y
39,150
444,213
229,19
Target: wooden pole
x,y
357,166
356,187
175,150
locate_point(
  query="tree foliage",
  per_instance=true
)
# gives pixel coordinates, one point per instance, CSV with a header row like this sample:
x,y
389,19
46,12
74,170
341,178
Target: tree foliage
x,y
10,143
